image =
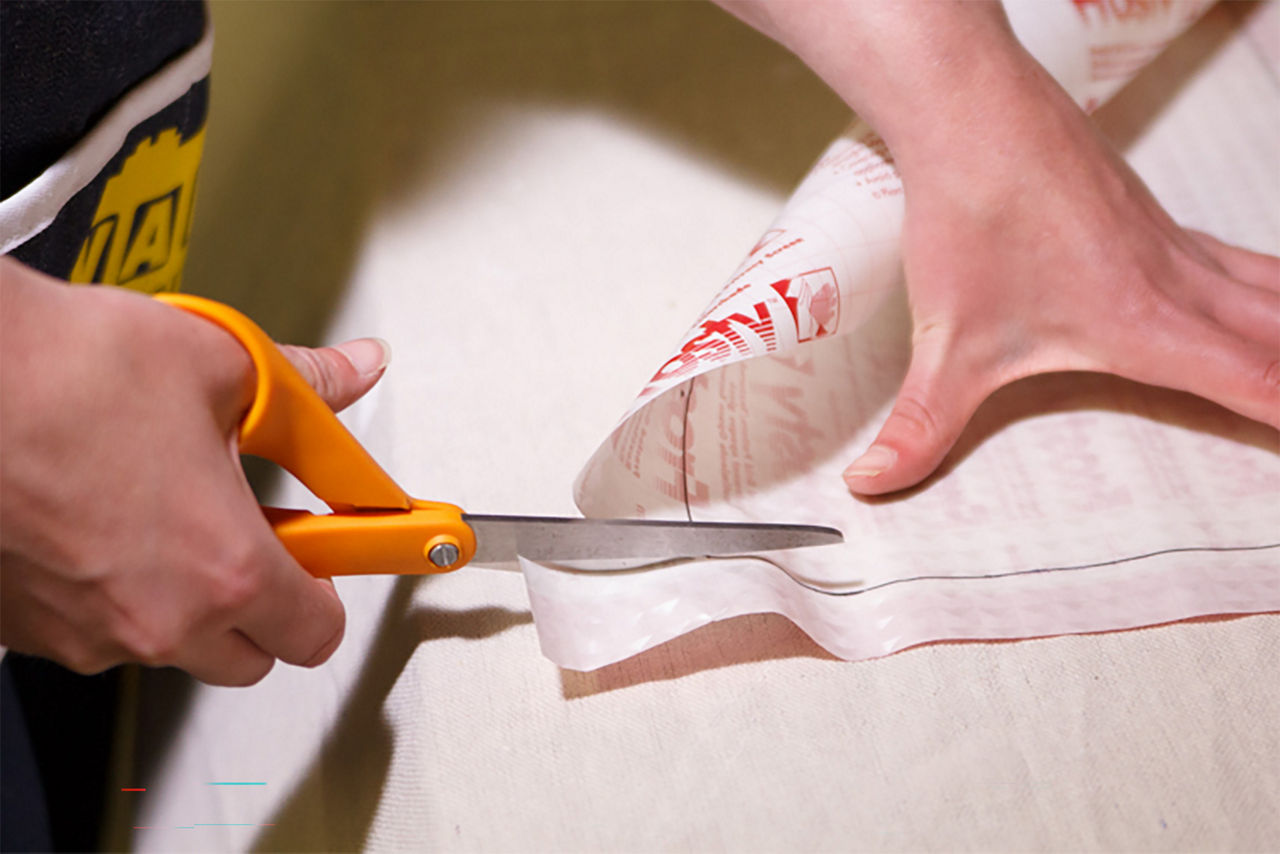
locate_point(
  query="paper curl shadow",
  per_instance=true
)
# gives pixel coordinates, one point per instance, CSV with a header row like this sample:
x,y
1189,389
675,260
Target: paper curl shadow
x,y
772,637
754,638
746,639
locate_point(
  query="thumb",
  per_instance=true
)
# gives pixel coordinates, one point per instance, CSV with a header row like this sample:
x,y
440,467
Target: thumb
x,y
341,375
936,401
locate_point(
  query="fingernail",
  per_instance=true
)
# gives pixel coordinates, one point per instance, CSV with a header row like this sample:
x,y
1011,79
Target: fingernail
x,y
367,355
876,459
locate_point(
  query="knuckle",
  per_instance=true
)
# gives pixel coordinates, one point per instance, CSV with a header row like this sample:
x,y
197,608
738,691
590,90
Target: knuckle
x,y
1141,305
141,632
914,417
153,644
1179,303
318,372
235,583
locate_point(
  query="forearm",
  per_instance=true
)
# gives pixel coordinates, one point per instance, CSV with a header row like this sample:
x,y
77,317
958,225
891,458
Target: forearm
x,y
921,72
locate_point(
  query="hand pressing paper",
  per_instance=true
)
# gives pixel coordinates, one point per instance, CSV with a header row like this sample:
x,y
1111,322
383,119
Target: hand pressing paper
x,y
1074,502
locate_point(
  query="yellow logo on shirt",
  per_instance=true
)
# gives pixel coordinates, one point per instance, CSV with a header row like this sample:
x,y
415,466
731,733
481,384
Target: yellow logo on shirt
x,y
143,222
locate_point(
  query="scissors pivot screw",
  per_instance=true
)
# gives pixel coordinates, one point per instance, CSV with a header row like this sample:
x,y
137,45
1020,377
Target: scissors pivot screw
x,y
443,554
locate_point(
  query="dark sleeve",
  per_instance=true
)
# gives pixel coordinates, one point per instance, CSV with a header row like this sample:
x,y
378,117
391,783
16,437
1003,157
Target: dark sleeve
x,y
63,65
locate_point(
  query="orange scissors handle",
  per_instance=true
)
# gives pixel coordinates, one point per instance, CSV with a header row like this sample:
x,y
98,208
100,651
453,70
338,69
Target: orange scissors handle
x,y
375,527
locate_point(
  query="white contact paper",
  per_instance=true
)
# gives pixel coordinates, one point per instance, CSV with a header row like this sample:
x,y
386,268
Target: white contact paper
x,y
1074,504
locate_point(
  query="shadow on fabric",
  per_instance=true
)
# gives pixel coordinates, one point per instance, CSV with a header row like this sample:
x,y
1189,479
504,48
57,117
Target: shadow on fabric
x,y
334,806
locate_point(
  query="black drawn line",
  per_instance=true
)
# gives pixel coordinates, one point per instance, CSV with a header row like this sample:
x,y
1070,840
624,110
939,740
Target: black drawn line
x,y
1036,571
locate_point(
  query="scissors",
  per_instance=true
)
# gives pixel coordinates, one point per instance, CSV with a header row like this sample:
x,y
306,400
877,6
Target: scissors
x,y
376,527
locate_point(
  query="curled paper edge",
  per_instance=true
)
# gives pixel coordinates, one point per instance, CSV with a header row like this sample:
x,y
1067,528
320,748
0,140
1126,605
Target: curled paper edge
x,y
613,621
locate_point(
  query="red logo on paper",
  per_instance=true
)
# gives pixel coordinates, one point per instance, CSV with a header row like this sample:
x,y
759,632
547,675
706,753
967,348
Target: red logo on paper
x,y
812,301
717,339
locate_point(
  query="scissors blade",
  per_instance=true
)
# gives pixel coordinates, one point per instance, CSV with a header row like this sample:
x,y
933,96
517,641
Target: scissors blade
x,y
623,543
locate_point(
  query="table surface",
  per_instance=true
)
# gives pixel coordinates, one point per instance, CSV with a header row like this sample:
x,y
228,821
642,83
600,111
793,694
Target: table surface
x,y
531,202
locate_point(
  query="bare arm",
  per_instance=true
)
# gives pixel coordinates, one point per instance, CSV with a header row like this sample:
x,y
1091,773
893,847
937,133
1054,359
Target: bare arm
x,y
1029,245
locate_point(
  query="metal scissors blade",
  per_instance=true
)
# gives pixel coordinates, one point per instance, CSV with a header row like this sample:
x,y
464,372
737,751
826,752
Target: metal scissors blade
x,y
618,543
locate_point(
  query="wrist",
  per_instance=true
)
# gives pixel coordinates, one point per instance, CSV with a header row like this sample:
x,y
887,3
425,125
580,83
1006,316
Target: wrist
x,y
967,99
931,77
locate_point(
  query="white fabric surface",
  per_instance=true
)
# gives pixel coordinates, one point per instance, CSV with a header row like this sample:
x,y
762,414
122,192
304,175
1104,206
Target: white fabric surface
x,y
529,202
